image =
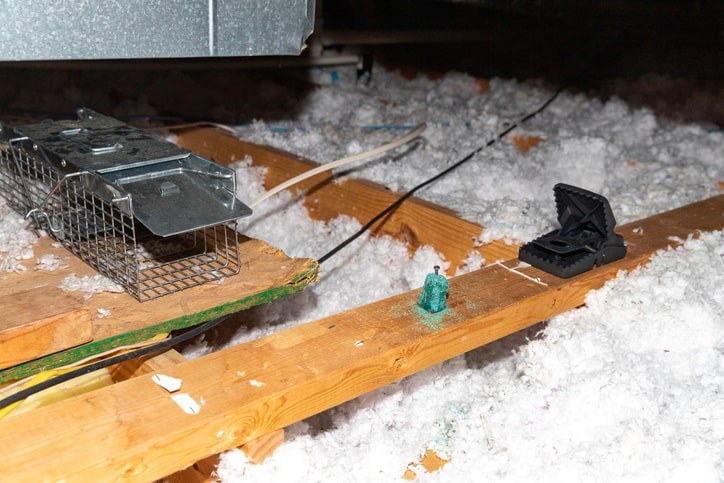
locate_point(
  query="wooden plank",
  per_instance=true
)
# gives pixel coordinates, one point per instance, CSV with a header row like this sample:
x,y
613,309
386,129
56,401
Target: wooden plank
x,y
39,322
136,432
169,358
259,449
203,471
200,472
416,222
266,274
146,365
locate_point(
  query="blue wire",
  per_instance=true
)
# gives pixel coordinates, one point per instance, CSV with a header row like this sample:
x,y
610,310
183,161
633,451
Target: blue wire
x,y
377,127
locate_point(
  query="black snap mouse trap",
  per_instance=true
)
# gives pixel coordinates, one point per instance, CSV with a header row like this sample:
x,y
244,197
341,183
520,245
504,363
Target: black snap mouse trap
x,y
584,240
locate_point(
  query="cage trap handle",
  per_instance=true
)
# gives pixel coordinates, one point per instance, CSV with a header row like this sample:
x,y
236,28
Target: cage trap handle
x,y
35,210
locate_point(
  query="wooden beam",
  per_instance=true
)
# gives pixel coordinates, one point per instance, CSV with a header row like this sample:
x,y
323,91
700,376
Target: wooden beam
x,y
38,322
259,449
256,450
135,431
146,365
416,222
200,472
203,471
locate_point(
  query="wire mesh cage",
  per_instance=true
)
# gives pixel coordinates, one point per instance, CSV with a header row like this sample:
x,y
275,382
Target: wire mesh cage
x,y
130,222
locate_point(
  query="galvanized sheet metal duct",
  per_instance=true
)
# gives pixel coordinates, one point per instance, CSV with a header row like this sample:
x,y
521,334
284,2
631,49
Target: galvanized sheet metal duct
x,y
132,29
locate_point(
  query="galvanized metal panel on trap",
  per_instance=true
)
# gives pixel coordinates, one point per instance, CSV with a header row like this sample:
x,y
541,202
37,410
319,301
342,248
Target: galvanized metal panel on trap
x,y
103,217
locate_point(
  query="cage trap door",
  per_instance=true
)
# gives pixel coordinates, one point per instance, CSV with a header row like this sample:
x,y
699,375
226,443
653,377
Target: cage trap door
x,y
172,191
180,195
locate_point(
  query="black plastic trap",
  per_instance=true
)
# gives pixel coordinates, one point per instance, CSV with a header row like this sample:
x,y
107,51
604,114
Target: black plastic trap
x,y
585,239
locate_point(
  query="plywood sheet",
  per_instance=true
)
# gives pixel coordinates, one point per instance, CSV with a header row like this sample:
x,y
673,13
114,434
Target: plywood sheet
x,y
38,322
266,274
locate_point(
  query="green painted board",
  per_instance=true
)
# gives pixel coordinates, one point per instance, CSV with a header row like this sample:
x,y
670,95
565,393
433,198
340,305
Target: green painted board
x,y
267,274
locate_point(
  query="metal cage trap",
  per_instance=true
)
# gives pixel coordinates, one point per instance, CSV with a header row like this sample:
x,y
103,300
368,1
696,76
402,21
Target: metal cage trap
x,y
146,213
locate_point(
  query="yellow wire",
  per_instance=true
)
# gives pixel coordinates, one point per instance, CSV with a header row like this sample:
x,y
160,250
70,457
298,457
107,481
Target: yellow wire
x,y
41,377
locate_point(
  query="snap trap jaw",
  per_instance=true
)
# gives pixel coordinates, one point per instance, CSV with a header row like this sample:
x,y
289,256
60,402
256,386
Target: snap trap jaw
x,y
148,214
585,239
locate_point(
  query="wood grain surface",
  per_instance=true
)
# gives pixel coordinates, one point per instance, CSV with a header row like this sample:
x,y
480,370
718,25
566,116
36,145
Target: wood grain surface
x,y
38,322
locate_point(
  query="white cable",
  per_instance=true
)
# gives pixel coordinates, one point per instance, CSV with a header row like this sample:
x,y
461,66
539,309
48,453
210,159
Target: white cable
x,y
171,127
340,162
312,172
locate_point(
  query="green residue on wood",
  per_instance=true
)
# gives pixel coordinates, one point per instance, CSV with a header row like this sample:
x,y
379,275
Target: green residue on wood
x,y
431,319
411,311
75,354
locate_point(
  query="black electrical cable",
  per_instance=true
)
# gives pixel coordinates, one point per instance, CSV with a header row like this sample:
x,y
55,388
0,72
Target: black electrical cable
x,y
431,180
165,344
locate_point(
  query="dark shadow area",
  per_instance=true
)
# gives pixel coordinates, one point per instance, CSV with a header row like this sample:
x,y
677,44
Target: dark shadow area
x,y
150,92
261,316
665,55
